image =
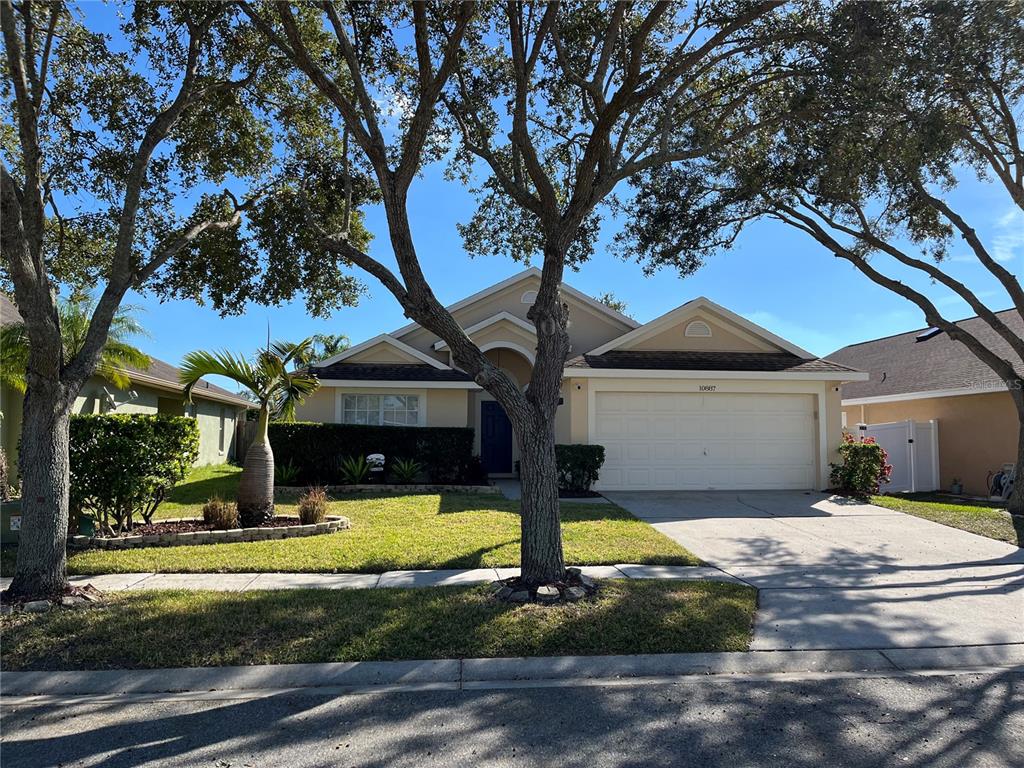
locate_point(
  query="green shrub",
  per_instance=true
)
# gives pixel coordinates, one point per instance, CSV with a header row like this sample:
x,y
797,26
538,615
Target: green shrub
x,y
578,466
446,453
354,469
123,465
222,515
313,506
864,469
406,470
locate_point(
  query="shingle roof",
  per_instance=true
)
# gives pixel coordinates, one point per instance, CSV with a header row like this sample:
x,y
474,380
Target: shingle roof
x,y
706,361
389,372
159,372
900,364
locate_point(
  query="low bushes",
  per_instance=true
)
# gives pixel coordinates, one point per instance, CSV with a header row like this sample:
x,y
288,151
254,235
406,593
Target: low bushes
x,y
864,468
222,515
578,466
123,465
317,450
313,506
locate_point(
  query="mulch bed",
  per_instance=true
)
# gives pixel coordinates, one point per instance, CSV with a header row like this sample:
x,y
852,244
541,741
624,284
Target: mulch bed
x,y
189,526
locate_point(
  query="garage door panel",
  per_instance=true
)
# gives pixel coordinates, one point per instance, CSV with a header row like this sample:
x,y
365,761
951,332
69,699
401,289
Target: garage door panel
x,y
686,441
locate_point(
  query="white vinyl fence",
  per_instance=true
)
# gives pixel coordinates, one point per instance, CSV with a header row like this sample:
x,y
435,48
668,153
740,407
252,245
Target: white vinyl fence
x,y
913,448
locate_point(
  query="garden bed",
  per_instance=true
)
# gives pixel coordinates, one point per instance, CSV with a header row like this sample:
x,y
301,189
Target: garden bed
x,y
192,530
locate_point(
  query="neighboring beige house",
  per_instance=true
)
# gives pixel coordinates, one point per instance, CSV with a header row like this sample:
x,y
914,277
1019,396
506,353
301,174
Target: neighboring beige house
x,y
155,390
924,375
699,398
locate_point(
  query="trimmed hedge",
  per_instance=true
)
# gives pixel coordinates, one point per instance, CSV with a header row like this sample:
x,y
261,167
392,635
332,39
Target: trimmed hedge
x,y
124,465
578,466
317,450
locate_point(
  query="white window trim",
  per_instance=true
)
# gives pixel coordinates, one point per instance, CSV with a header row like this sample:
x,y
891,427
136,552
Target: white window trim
x,y
339,403
518,322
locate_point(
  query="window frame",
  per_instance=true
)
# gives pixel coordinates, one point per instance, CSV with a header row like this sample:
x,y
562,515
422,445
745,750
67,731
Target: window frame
x,y
381,395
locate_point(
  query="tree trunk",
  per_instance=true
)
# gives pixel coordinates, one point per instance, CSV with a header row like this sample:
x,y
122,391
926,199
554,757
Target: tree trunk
x,y
41,569
540,519
256,486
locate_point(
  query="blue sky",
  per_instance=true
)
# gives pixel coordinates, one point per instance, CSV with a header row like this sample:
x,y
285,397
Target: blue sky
x,y
774,276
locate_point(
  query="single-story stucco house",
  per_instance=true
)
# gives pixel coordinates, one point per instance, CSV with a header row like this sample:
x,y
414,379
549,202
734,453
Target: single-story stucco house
x,y
699,398
155,390
924,375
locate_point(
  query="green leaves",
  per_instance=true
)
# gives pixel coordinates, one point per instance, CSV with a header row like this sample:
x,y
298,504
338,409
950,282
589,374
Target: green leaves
x,y
267,377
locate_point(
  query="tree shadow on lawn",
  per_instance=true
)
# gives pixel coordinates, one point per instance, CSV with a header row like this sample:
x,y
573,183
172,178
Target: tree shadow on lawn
x,y
154,630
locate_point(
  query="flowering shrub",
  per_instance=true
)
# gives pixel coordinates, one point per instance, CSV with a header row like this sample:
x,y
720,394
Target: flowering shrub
x,y
864,469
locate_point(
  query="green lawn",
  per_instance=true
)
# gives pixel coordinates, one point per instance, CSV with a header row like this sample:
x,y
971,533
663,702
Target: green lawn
x,y
186,629
187,499
451,530
977,517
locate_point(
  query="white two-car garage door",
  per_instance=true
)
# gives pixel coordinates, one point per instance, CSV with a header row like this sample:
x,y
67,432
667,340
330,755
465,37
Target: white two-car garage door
x,y
690,441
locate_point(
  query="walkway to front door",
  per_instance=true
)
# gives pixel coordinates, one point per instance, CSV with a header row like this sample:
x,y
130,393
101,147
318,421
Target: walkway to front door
x,y
495,438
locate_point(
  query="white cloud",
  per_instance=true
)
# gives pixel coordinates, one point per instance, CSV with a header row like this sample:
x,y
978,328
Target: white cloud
x,y
1009,237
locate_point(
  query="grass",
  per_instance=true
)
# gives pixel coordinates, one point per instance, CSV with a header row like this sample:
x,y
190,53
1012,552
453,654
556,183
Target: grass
x,y
980,517
394,532
187,498
186,629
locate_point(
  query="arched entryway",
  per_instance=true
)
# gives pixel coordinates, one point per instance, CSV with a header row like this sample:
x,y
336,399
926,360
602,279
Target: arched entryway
x,y
496,442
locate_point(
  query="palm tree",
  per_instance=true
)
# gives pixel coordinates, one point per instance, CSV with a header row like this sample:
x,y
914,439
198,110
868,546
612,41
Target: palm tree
x,y
75,314
277,391
324,345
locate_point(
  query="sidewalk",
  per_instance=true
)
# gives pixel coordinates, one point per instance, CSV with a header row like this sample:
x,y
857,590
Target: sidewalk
x,y
245,582
464,674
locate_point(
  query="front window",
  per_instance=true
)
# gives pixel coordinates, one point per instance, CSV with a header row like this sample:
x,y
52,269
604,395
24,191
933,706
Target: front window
x,y
389,410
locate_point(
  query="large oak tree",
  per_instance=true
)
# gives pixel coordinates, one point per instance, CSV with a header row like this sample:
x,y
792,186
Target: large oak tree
x,y
551,108
130,159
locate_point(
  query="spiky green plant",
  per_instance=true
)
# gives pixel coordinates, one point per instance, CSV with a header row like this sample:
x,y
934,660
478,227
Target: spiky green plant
x,y
276,391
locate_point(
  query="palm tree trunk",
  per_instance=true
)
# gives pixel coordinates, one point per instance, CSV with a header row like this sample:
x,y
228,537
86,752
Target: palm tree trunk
x,y
256,487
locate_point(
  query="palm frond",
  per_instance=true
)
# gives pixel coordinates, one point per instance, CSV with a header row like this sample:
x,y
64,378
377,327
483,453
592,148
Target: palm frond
x,y
13,356
197,364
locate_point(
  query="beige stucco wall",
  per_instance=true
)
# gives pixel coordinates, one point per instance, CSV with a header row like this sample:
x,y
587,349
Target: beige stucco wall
x,y
317,407
513,363
977,433
382,353
722,339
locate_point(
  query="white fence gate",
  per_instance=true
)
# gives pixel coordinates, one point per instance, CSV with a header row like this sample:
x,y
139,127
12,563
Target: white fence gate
x,y
913,448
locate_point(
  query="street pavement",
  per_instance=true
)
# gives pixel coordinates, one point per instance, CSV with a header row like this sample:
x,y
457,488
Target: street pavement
x,y
940,721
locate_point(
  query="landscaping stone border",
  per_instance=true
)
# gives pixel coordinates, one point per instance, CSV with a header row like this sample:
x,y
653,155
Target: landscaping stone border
x,y
330,524
393,488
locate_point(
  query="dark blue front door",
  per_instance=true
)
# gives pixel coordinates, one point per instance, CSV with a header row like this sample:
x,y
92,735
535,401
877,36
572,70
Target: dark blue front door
x,y
495,438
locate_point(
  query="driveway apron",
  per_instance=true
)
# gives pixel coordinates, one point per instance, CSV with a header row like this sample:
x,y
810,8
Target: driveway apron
x,y
834,573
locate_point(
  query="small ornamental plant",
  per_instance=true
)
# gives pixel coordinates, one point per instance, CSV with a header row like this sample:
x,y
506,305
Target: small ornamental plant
x,y
220,515
864,468
313,506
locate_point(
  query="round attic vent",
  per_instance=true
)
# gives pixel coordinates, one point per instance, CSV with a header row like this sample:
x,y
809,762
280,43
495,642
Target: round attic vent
x,y
698,328
529,297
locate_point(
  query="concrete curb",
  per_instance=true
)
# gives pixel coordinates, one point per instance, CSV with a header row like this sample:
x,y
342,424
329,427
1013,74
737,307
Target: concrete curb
x,y
490,673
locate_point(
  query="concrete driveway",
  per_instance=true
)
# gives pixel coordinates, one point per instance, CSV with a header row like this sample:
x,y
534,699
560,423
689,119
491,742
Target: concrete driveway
x,y
833,573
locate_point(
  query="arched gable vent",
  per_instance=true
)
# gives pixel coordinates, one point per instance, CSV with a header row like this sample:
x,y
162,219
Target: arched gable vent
x,y
529,297
698,328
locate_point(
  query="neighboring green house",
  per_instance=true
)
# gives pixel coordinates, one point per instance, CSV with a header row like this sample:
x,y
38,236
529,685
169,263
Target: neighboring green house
x,y
155,390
